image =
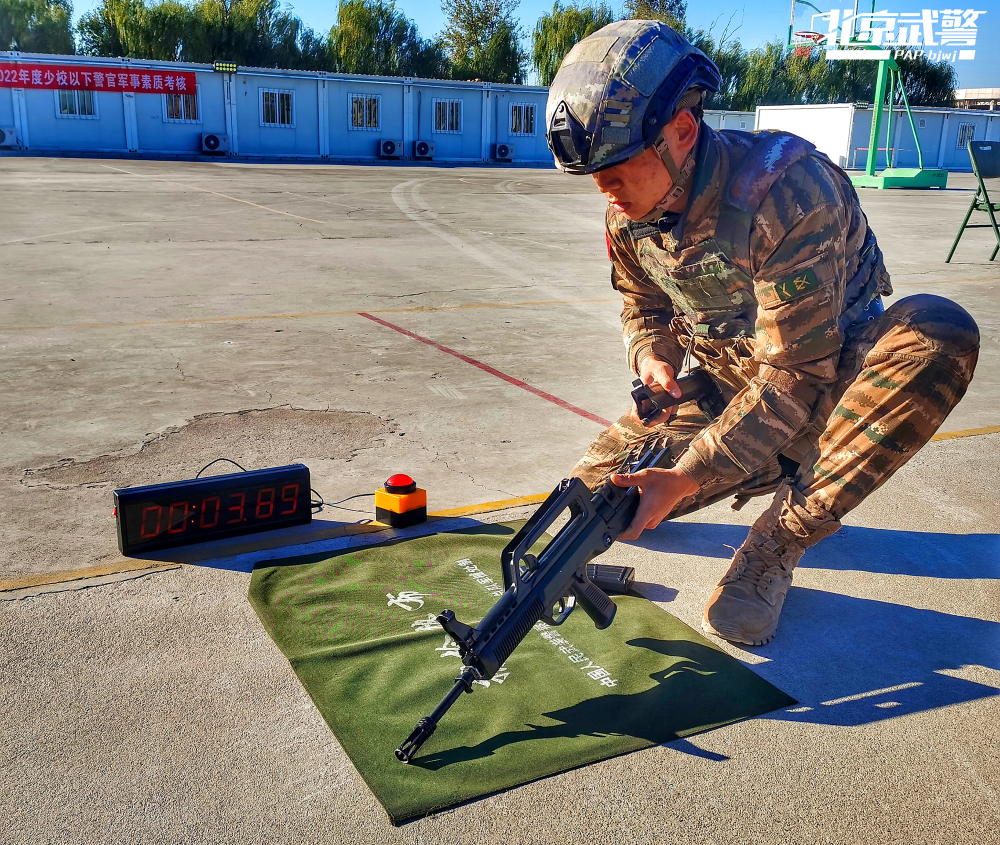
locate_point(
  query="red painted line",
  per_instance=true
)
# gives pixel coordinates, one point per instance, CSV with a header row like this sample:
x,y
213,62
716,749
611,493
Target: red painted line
x,y
555,400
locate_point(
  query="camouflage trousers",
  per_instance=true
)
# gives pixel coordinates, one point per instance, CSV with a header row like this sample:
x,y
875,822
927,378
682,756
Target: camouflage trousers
x,y
900,377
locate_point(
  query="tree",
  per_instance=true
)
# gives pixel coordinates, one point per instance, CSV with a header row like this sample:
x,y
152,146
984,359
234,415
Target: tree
x,y
483,40
764,80
926,83
250,32
729,57
555,34
672,12
373,37
131,28
111,29
36,26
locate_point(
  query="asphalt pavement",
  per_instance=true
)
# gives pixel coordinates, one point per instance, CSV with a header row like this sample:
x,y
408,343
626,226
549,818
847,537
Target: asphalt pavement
x,y
457,324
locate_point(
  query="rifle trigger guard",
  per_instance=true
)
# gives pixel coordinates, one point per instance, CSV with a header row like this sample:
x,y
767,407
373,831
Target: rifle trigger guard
x,y
565,606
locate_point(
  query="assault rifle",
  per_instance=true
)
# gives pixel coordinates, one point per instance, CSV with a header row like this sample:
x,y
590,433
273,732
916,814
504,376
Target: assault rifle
x,y
651,400
543,587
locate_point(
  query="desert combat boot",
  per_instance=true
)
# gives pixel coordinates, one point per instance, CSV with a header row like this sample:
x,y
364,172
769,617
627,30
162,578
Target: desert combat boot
x,y
748,601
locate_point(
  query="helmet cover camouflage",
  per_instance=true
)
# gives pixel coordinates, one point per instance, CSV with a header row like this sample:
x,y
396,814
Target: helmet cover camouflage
x,y
616,89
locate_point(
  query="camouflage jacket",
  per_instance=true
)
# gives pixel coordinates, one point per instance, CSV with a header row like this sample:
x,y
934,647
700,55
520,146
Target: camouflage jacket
x,y
761,276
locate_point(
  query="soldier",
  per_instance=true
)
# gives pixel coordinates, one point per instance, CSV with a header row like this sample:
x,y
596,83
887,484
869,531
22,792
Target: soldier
x,y
749,254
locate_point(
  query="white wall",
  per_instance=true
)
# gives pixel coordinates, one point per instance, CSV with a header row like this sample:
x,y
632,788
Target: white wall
x,y
719,119
829,127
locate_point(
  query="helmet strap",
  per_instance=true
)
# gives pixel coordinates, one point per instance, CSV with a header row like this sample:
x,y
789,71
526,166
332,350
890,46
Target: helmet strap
x,y
678,177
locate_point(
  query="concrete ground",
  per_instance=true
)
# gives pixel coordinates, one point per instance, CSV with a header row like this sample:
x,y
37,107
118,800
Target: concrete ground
x,y
155,316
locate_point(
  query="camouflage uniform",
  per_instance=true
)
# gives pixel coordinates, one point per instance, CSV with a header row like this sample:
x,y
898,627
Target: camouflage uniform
x,y
770,279
765,278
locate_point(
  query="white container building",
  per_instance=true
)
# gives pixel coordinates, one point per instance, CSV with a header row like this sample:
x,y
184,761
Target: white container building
x,y
843,130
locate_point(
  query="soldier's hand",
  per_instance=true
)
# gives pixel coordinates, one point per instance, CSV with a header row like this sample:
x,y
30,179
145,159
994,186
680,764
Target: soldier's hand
x,y
660,490
652,371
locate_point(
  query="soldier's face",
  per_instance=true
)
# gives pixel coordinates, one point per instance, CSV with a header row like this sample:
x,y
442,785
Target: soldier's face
x,y
634,187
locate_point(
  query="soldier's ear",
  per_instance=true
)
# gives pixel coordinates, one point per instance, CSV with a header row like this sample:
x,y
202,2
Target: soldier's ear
x,y
683,129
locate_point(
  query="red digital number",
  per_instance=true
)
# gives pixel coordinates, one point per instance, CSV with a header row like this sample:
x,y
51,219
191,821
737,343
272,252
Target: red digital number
x,y
178,526
144,531
238,508
290,496
216,506
265,504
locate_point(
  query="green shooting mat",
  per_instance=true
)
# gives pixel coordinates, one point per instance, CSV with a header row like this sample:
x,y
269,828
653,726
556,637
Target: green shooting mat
x,y
358,629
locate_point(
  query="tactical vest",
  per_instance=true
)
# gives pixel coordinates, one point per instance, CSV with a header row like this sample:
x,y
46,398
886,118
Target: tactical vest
x,y
710,289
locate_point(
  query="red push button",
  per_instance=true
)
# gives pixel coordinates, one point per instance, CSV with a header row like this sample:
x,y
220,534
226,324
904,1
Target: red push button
x,y
400,484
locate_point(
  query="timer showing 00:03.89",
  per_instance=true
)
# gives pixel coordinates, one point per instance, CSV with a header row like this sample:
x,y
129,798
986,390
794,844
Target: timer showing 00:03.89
x,y
183,512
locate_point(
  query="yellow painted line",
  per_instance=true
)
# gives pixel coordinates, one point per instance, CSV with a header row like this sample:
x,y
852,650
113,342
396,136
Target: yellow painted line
x,y
215,193
41,578
302,316
467,510
969,432
503,504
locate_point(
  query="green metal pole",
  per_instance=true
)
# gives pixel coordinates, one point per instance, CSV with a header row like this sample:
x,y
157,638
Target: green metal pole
x,y
888,126
883,72
909,114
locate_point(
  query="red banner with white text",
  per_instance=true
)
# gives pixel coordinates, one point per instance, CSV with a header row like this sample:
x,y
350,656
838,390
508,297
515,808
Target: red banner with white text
x,y
77,78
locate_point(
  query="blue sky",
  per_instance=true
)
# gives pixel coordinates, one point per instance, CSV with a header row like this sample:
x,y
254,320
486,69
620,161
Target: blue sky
x,y
756,23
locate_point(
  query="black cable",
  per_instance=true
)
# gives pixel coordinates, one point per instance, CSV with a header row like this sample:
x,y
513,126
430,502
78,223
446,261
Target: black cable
x,y
316,504
217,460
352,510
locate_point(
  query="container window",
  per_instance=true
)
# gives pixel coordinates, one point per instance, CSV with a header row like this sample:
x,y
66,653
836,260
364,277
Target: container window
x,y
522,118
76,104
364,111
181,108
966,133
448,116
277,108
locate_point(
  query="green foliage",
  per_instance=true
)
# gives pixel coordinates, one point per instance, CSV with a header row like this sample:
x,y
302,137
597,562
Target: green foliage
x,y
373,37
483,40
556,33
671,12
370,36
36,26
926,83
256,33
773,75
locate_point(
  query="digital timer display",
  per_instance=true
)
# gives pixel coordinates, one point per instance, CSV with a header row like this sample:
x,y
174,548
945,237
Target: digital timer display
x,y
164,515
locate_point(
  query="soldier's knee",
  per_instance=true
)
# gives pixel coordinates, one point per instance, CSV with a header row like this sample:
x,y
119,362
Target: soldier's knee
x,y
940,325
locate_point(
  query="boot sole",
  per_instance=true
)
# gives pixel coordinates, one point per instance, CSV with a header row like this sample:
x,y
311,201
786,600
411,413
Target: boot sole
x,y
738,637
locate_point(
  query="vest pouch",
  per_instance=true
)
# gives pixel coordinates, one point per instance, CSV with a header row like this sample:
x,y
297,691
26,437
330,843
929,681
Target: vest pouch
x,y
707,290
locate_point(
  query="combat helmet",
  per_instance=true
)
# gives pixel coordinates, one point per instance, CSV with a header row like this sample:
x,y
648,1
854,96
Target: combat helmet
x,y
616,89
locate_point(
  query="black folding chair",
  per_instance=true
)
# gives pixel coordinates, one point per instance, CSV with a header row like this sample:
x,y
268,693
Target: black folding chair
x,y
985,157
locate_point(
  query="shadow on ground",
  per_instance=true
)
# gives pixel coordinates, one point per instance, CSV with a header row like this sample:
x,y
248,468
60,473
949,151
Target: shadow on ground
x,y
854,661
853,548
698,691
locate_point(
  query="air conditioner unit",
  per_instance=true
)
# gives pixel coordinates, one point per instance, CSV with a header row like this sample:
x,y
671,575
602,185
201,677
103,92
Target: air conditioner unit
x,y
212,143
503,152
423,149
8,137
390,149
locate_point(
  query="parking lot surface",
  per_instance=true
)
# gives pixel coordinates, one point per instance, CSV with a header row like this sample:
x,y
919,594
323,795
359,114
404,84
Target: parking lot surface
x,y
457,325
